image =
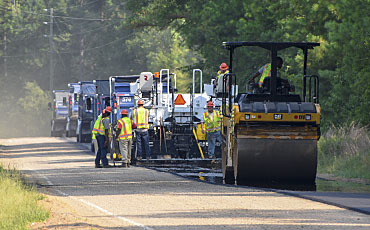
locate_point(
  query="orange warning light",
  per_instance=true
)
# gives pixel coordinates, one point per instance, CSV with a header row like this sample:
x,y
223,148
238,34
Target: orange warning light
x,y
180,100
156,74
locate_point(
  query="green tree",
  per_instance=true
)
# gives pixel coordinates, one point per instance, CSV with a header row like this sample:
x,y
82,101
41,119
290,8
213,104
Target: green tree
x,y
33,110
165,49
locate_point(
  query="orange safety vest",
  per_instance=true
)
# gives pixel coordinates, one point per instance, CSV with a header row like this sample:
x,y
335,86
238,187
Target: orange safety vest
x,y
126,131
141,117
99,126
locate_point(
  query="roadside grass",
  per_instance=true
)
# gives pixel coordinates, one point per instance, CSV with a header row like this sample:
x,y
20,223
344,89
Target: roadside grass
x,y
18,201
339,186
345,151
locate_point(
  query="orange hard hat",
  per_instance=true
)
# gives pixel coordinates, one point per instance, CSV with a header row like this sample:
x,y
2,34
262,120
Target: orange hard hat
x,y
210,104
124,112
140,102
223,66
108,109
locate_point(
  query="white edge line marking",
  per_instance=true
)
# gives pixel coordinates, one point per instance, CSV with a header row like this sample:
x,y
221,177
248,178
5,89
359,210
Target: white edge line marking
x,y
97,207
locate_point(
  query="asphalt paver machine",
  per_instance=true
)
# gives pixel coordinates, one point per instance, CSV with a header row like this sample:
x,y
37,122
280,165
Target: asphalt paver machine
x,y
270,134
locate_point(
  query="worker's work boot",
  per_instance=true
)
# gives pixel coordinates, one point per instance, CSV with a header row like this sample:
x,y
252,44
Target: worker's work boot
x,y
98,166
128,165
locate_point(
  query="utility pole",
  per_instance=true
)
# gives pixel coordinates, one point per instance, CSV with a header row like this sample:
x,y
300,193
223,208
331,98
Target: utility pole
x,y
4,38
51,49
5,54
82,57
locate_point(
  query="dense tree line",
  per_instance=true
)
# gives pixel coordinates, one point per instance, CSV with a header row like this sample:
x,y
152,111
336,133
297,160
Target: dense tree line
x,y
342,28
97,39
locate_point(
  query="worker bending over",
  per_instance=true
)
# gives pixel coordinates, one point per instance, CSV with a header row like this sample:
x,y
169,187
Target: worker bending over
x,y
212,124
101,133
141,120
124,134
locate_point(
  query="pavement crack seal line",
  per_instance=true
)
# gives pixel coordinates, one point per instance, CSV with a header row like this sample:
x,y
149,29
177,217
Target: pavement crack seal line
x,y
94,205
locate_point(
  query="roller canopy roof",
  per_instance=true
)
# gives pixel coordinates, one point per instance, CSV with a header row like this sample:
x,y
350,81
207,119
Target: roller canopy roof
x,y
270,45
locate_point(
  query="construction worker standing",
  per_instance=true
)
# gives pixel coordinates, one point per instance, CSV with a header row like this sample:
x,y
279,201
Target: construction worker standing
x,y
101,133
212,124
141,120
224,69
124,134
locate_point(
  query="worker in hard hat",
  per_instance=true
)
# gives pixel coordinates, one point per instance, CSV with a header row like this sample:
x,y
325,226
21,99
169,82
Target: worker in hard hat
x,y
211,123
141,120
101,133
224,69
124,135
265,71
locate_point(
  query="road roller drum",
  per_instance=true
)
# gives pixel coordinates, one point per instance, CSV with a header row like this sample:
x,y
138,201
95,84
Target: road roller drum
x,y
260,160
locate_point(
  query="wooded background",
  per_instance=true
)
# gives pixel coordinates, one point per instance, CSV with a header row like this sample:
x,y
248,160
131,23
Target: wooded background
x,y
95,39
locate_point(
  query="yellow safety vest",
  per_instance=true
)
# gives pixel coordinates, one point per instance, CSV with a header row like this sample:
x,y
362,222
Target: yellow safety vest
x,y
126,131
219,73
99,126
141,117
266,73
212,126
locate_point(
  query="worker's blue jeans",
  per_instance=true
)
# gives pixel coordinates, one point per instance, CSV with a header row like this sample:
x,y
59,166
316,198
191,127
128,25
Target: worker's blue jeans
x,y
212,137
142,138
102,151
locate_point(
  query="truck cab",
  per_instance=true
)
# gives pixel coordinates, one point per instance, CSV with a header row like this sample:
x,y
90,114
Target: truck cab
x,y
101,98
71,120
85,111
122,95
60,112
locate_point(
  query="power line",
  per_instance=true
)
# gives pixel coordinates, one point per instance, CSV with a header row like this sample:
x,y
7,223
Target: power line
x,y
92,30
71,7
85,50
68,17
101,46
21,55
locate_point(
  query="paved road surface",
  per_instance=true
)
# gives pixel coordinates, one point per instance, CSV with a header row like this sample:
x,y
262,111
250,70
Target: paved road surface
x,y
139,198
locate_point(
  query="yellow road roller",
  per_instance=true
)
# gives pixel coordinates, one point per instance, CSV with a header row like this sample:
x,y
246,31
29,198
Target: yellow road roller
x,y
270,133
